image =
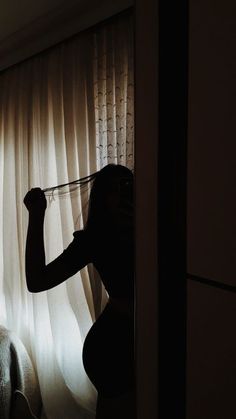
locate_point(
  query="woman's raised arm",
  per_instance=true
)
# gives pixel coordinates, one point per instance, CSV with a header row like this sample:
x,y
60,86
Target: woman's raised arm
x,y
39,276
36,204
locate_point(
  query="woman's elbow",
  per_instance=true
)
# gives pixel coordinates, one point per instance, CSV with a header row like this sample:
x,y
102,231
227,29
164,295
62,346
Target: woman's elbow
x,y
34,283
33,289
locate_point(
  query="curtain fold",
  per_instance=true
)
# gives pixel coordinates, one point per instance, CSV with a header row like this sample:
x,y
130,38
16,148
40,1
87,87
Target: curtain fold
x,y
63,115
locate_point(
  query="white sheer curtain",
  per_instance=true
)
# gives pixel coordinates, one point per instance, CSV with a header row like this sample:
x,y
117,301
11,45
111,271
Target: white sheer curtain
x,y
63,114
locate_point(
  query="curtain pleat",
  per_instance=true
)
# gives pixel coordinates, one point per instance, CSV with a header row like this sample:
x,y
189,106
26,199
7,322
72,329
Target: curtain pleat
x,y
64,114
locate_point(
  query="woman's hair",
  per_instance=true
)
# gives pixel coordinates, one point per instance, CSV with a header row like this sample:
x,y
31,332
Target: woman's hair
x,y
112,178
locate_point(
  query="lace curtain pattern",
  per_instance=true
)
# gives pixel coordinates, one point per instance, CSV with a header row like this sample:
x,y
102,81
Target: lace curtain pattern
x,y
63,115
113,90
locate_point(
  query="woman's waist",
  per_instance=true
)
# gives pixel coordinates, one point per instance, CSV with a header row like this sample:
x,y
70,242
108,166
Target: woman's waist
x,y
123,305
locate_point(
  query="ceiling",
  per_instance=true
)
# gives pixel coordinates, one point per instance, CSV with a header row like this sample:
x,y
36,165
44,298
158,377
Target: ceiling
x,y
30,26
15,14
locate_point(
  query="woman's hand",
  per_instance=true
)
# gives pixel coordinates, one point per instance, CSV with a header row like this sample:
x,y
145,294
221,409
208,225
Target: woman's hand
x,y
35,201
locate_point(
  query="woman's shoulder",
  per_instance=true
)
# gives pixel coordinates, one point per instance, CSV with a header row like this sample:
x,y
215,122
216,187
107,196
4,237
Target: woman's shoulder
x,y
83,234
78,234
83,238
79,248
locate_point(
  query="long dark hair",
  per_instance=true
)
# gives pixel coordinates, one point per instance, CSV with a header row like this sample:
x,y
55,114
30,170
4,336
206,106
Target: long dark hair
x,y
105,182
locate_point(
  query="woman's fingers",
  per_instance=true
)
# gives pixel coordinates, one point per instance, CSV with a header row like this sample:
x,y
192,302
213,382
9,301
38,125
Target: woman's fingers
x,y
35,200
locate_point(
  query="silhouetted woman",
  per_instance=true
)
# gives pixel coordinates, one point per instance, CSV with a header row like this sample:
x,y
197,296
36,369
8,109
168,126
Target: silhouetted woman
x,y
107,242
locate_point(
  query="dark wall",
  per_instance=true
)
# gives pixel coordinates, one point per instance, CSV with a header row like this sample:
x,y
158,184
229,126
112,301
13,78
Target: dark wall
x,y
212,209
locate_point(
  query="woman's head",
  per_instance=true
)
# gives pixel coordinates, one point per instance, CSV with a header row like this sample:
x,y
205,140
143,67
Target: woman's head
x,y
111,193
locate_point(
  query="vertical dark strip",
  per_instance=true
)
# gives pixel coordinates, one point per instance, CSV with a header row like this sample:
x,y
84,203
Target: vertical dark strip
x,y
172,176
146,266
